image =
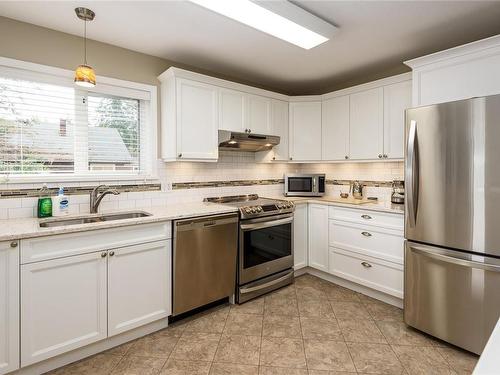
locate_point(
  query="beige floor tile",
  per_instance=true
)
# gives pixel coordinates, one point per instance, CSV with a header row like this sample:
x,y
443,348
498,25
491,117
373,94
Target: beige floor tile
x,y
315,309
399,333
337,293
361,331
286,292
155,345
232,369
308,293
384,311
324,372
281,306
281,326
282,352
265,370
350,310
195,346
120,349
421,360
458,359
99,364
210,323
375,359
134,365
255,306
314,328
243,324
309,280
181,367
363,298
328,355
238,349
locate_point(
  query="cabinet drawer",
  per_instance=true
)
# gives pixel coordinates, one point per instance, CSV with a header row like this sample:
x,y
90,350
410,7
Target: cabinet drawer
x,y
376,274
63,245
373,241
358,215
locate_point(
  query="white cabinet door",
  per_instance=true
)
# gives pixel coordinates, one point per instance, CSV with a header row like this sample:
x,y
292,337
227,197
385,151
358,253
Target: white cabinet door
x,y
318,236
197,120
138,285
366,124
231,104
63,305
397,98
258,114
279,127
300,236
305,131
335,128
9,306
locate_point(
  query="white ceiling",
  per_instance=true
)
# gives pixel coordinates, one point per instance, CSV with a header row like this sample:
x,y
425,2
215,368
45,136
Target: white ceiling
x,y
373,40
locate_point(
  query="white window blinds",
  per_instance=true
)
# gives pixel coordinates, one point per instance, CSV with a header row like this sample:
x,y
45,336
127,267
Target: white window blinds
x,y
48,126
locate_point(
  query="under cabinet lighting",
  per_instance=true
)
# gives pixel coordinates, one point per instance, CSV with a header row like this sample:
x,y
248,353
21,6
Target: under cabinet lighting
x,y
257,16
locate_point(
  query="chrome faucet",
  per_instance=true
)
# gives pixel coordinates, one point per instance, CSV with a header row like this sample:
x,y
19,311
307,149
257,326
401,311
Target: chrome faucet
x,y
96,198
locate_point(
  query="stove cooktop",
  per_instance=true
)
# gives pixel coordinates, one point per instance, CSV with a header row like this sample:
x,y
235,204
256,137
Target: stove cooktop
x,y
251,206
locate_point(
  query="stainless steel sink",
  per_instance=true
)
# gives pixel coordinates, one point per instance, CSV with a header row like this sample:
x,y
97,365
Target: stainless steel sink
x,y
95,218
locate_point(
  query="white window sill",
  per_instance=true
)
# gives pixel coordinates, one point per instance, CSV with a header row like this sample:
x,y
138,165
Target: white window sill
x,y
77,178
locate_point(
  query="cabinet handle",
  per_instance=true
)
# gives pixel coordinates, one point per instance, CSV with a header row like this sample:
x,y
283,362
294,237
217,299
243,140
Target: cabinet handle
x,y
103,254
380,156
366,234
291,158
13,244
249,130
274,157
180,155
366,264
346,157
367,217
385,156
111,253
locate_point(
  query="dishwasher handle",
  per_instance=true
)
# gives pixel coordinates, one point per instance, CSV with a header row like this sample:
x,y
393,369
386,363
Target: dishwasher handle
x,y
204,222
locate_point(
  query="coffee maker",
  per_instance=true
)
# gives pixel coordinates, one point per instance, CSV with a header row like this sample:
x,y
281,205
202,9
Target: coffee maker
x,y
398,192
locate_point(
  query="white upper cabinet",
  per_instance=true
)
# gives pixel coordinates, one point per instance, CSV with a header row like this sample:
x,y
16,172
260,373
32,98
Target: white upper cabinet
x,y
335,128
231,115
9,306
258,114
305,131
197,120
397,98
366,124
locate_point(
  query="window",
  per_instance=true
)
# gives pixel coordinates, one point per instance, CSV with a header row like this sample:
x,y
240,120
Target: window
x,y
50,127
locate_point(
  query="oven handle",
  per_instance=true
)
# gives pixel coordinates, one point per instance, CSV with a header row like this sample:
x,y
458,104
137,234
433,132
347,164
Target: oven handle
x,y
266,224
265,285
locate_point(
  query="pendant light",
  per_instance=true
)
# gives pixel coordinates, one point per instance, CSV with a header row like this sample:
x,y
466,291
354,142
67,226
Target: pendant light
x,y
84,74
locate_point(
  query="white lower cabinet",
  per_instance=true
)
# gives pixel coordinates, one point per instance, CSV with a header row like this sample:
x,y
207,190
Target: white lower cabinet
x,y
300,229
63,305
318,236
138,280
9,306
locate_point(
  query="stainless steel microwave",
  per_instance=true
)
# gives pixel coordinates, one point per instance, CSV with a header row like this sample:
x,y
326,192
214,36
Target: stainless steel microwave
x,y
304,185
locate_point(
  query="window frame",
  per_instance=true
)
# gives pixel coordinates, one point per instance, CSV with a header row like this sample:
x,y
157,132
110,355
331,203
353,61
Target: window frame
x,y
105,86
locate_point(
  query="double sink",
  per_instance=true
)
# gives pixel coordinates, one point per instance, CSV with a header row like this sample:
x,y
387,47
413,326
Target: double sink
x,y
92,218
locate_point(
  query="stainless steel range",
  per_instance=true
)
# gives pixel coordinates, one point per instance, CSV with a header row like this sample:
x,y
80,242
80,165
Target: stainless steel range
x,y
265,251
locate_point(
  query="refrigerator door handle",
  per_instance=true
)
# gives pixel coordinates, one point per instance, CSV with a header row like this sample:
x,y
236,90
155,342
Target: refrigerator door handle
x,y
412,173
449,259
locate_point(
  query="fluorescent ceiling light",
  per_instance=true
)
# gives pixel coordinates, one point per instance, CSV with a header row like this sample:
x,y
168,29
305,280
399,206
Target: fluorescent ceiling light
x,y
256,15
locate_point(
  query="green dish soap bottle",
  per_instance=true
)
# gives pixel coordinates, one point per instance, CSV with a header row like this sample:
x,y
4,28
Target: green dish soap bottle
x,y
44,203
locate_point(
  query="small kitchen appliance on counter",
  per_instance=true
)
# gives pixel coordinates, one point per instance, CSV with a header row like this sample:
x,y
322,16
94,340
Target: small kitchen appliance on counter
x,y
305,185
357,190
265,249
398,192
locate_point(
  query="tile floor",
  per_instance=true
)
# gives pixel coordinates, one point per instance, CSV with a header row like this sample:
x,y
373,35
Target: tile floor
x,y
310,328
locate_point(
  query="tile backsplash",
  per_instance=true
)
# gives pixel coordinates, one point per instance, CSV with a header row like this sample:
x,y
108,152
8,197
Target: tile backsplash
x,y
235,173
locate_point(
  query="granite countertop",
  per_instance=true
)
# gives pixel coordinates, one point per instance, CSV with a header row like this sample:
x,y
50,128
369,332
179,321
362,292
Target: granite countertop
x,y
379,206
15,229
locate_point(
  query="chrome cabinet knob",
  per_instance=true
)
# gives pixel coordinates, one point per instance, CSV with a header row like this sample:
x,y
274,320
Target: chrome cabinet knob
x,y
13,244
274,157
366,264
180,155
366,217
291,158
346,157
366,234
103,254
111,253
385,156
380,156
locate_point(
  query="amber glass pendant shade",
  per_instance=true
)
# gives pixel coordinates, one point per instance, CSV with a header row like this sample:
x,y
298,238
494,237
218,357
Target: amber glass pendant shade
x,y
85,76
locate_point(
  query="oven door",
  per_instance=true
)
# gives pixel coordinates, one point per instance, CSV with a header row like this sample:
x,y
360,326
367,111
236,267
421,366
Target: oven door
x,y
266,247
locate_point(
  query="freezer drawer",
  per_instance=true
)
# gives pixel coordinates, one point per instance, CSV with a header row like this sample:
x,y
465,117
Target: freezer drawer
x,y
451,295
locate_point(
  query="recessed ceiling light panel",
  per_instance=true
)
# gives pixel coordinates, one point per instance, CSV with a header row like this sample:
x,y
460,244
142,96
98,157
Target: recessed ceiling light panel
x,y
281,19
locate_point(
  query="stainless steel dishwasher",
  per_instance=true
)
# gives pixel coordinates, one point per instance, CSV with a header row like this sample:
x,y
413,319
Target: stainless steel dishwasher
x,y
204,260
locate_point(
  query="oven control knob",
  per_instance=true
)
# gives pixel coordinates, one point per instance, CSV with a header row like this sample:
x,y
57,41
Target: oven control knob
x,y
259,209
280,206
247,210
254,210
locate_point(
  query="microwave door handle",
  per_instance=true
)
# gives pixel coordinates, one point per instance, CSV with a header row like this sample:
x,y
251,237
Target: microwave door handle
x,y
412,174
314,186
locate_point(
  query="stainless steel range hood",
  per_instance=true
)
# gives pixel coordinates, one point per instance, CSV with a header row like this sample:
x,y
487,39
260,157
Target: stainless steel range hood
x,y
236,141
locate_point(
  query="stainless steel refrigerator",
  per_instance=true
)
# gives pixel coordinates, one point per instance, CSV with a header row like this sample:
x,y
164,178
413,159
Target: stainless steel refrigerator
x,y
452,220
